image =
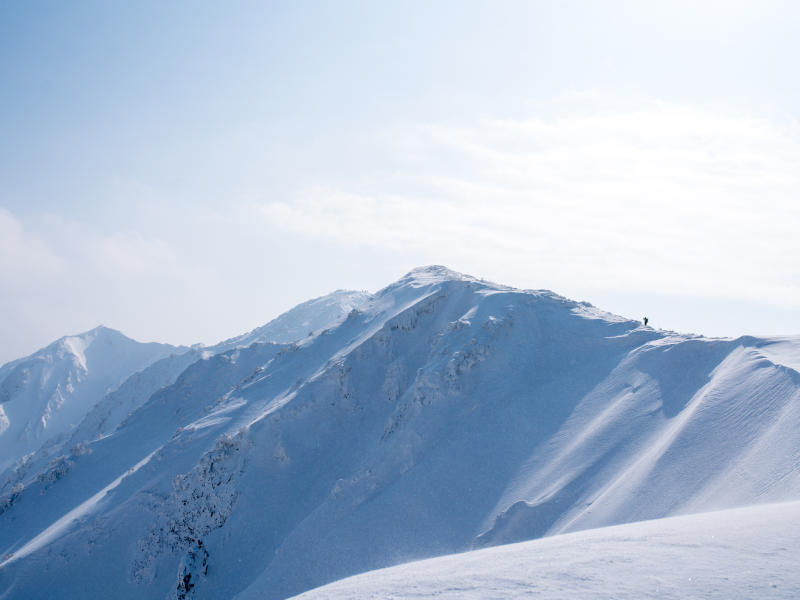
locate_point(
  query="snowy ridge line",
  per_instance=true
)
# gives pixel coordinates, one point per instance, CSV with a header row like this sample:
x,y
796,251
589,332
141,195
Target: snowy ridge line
x,y
310,317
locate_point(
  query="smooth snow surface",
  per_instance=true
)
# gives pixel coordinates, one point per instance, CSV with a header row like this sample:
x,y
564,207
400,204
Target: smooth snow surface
x,y
440,414
735,554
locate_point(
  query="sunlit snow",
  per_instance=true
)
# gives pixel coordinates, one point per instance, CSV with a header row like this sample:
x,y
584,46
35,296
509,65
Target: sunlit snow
x,y
438,415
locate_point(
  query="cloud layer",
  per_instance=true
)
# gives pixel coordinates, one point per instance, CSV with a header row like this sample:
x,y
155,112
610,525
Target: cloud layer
x,y
64,277
662,208
663,199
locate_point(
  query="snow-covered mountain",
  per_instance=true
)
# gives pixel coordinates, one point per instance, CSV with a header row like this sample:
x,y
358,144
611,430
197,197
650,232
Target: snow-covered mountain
x,y
442,414
123,377
45,395
314,315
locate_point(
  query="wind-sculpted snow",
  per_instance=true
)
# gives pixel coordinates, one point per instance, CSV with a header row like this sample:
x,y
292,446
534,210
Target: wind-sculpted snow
x,y
443,413
734,554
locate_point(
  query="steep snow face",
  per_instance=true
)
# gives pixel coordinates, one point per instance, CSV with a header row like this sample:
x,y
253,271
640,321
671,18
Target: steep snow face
x,y
735,554
443,413
104,417
680,425
44,396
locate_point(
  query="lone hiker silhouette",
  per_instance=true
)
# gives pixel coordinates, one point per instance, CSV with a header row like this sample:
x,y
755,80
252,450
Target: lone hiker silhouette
x,y
645,321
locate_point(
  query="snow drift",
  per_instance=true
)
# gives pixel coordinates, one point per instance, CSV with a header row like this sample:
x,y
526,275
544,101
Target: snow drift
x,y
734,554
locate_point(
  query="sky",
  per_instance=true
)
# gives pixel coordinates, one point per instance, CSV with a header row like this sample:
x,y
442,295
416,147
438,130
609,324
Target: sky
x,y
186,171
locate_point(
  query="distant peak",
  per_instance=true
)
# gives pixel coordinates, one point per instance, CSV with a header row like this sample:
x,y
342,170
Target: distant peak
x,y
79,342
438,269
100,330
432,275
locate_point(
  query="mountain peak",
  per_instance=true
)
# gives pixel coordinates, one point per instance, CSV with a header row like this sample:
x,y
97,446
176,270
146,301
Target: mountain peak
x,y
429,274
102,329
90,334
438,271
79,343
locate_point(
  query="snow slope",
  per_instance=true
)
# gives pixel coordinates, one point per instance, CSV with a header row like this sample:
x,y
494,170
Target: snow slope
x,y
293,325
302,320
442,414
99,415
44,396
733,554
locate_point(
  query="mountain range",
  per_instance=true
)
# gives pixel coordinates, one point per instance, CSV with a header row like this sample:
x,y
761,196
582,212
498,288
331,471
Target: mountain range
x,y
438,415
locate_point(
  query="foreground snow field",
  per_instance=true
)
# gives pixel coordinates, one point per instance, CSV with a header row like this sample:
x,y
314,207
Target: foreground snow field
x,y
734,554
441,414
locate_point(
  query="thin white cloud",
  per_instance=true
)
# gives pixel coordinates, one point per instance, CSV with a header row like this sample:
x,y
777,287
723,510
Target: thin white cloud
x,y
663,199
63,277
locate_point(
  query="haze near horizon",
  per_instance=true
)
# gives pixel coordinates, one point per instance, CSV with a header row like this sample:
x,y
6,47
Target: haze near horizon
x,y
186,172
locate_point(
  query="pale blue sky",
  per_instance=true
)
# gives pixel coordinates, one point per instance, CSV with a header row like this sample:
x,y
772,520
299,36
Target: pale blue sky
x,y
185,171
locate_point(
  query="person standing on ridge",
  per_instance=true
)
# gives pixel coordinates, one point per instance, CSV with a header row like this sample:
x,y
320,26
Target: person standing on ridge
x,y
644,320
